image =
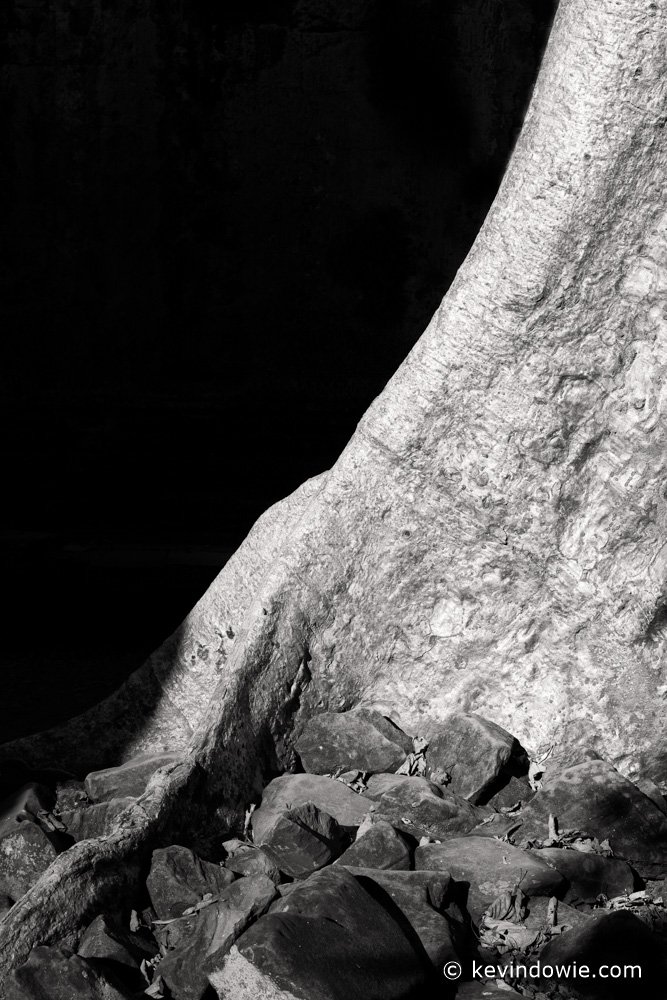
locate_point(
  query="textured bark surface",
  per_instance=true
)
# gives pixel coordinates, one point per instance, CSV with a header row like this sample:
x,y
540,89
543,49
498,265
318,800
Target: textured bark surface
x,y
492,538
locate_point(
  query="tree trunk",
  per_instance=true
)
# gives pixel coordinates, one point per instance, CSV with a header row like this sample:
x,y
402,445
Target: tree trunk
x,y
492,538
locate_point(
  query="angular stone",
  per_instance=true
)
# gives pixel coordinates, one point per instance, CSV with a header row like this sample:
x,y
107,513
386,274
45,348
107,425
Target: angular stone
x,y
378,784
594,798
415,810
381,846
568,917
178,878
302,840
332,797
106,940
475,752
420,899
589,875
615,939
52,974
349,740
252,860
216,927
329,940
488,868
129,779
96,820
516,790
25,854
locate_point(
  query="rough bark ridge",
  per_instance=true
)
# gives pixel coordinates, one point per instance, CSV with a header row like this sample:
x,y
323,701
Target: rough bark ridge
x,y
492,538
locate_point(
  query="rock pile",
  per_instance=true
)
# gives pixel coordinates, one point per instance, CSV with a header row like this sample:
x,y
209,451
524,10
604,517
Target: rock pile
x,y
449,864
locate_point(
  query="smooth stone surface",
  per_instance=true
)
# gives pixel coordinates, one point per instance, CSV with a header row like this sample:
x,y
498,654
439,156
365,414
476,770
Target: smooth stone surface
x,y
350,740
589,875
252,860
95,820
515,790
612,940
378,784
216,927
328,940
302,840
381,846
595,799
178,878
129,779
415,810
333,797
105,940
420,897
474,751
25,854
51,974
490,867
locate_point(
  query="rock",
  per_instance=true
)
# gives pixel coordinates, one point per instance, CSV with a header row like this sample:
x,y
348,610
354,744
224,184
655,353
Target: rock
x,y
332,797
185,969
571,918
351,740
516,790
25,854
594,798
24,804
616,939
106,940
490,867
127,780
381,846
420,899
95,820
302,840
415,810
378,784
476,753
589,875
52,974
330,940
652,792
70,795
252,860
178,878
577,743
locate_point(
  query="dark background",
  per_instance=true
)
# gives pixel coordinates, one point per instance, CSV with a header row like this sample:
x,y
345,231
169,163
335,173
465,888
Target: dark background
x,y
223,227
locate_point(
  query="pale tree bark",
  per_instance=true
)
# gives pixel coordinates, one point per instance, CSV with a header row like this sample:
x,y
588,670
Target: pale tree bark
x,y
492,538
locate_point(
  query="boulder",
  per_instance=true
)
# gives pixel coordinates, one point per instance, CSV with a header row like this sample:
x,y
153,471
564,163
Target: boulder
x,y
517,789
107,941
417,901
127,780
302,840
488,867
415,810
381,846
568,917
589,875
95,820
378,784
252,860
332,797
178,878
652,791
26,852
361,740
330,940
479,755
614,940
52,974
594,798
214,930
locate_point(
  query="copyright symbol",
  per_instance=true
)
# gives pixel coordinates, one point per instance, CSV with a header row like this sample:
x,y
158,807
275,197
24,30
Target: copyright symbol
x,y
452,970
